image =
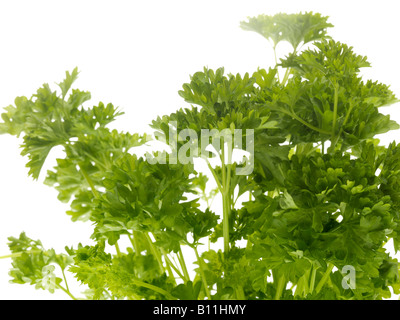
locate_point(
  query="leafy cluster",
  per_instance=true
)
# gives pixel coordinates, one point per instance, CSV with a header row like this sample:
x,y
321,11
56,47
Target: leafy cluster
x,y
34,265
323,195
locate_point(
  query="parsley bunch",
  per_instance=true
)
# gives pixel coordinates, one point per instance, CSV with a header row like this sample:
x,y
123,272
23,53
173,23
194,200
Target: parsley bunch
x,y
323,195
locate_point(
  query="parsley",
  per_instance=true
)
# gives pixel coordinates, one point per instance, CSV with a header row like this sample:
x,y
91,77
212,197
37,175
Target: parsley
x,y
323,195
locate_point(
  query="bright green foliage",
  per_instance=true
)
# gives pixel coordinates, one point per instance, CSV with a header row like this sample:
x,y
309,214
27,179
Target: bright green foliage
x,y
34,265
294,28
323,196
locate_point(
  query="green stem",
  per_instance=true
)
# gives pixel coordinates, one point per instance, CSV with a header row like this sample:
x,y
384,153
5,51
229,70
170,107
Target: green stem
x,y
18,254
117,249
287,72
335,106
171,265
165,293
203,277
67,292
280,286
225,223
168,266
346,117
135,245
96,161
335,137
90,182
240,293
65,279
312,281
177,264
224,189
343,124
226,202
183,265
276,63
301,286
170,273
295,116
215,176
286,76
325,277
154,251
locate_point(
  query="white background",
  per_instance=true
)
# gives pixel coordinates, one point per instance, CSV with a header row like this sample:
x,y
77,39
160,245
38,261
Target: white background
x,y
137,55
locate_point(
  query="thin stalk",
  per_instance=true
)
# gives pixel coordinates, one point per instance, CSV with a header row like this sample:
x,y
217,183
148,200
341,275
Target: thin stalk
x,y
335,137
287,72
240,293
90,182
171,264
335,106
223,165
302,286
135,245
154,251
225,224
295,116
168,266
344,123
183,265
286,76
312,280
65,279
276,63
170,273
228,175
203,277
116,245
346,117
306,283
96,161
177,264
280,287
67,292
224,189
325,277
165,293
225,198
214,175
18,254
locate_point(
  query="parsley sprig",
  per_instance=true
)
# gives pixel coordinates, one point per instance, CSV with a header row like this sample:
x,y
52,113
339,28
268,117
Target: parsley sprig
x,y
323,196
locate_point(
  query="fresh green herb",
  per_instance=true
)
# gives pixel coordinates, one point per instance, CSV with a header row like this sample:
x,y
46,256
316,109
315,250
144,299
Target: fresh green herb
x,y
322,198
